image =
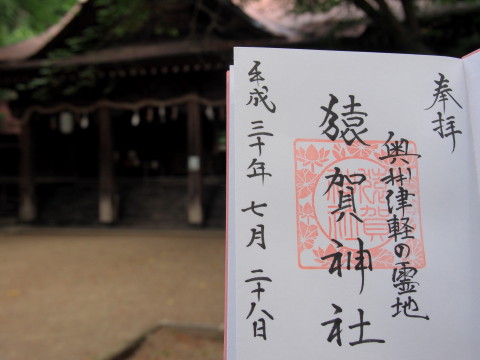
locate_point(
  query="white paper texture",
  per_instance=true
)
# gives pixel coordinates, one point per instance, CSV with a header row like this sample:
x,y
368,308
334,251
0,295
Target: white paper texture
x,y
230,321
472,79
397,92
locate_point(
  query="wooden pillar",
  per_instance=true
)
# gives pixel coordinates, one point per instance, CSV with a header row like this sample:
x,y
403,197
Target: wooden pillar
x,y
195,180
107,204
27,211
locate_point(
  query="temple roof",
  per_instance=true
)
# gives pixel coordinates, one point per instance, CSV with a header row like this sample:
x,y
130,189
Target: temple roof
x,y
89,34
176,46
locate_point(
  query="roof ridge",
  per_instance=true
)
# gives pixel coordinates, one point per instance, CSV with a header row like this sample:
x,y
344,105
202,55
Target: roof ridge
x,y
27,48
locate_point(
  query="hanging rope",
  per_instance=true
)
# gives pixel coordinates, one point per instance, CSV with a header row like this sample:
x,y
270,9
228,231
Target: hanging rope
x,y
119,105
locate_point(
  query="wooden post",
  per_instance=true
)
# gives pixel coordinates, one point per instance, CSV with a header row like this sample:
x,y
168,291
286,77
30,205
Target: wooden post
x,y
27,211
194,166
107,205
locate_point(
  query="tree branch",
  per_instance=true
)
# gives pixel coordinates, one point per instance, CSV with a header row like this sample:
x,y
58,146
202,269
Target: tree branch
x,y
387,15
410,15
368,9
403,35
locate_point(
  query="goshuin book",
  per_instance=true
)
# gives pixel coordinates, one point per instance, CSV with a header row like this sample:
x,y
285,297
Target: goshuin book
x,y
353,206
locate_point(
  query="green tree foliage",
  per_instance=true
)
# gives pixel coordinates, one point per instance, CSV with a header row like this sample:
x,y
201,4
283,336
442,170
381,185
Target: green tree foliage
x,y
21,19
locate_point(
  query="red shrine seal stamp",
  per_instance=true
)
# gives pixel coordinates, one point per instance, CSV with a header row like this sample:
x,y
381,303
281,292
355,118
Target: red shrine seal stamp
x,y
345,193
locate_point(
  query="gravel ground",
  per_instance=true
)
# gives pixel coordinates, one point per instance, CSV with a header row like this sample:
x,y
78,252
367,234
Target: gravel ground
x,y
83,294
176,343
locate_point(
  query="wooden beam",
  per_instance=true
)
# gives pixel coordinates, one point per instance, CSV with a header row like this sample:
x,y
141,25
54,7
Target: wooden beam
x,y
27,211
195,179
107,204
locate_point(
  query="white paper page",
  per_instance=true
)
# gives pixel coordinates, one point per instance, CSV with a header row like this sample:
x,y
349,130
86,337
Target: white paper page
x,y
291,201
230,320
472,77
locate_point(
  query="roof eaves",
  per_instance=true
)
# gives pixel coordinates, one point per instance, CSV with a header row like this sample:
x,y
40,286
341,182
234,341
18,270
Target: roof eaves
x,y
141,52
27,48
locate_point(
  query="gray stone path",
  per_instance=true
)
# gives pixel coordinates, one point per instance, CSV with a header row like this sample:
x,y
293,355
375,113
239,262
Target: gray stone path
x,y
82,294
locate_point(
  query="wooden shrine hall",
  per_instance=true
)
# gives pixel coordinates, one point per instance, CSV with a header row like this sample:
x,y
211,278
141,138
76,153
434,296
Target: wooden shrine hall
x,y
115,105
122,108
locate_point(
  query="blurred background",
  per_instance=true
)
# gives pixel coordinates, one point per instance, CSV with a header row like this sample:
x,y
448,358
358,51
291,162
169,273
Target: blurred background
x,y
113,149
